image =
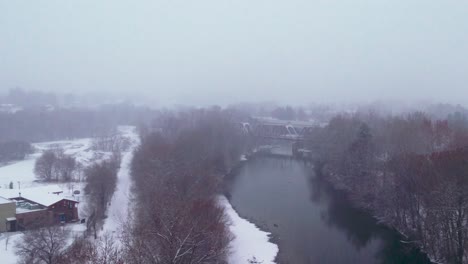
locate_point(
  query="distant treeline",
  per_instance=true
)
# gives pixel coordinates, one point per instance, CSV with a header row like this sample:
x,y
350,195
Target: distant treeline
x,y
411,171
14,150
33,125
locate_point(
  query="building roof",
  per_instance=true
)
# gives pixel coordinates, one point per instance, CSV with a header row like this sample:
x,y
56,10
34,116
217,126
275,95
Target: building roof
x,y
4,201
15,193
43,195
43,199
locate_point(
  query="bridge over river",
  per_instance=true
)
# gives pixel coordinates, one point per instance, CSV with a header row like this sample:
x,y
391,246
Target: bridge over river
x,y
290,130
280,137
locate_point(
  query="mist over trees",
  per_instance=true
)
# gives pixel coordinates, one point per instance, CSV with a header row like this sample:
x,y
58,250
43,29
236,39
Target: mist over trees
x,y
177,172
33,116
101,181
410,171
14,150
324,129
110,143
28,98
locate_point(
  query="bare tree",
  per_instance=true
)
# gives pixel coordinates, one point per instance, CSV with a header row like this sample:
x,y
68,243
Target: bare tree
x,y
103,250
101,181
44,166
44,245
177,174
111,143
65,167
55,165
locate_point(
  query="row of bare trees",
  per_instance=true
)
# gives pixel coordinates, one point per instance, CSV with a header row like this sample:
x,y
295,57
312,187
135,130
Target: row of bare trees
x,y
410,171
55,165
101,181
55,245
177,173
111,143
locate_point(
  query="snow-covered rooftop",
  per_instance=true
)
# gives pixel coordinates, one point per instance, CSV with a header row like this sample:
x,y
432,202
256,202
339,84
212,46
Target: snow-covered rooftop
x,y
44,195
4,201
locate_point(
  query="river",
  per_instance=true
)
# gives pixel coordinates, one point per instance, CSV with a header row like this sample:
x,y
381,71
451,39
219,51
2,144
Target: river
x,y
311,222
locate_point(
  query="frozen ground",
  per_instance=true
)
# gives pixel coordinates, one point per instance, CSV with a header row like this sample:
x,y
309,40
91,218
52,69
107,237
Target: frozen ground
x,y
118,209
21,173
249,243
7,244
8,240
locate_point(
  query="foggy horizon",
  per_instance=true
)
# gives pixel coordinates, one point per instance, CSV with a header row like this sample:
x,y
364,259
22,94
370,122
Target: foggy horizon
x,y
222,52
233,131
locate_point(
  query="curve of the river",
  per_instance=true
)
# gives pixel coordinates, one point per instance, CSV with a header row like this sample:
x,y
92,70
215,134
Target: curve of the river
x,y
311,222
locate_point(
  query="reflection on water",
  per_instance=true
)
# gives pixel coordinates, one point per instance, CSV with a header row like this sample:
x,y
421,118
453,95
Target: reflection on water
x,y
310,222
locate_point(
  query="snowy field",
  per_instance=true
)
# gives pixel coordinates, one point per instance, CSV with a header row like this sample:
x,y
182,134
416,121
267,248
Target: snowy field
x,y
21,173
7,244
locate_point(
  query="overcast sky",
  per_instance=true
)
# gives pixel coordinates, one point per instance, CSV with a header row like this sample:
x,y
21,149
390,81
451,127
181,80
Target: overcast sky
x,y
222,51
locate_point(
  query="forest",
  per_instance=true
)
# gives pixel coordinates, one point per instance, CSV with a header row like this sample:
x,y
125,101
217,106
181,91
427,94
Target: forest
x,y
410,171
177,172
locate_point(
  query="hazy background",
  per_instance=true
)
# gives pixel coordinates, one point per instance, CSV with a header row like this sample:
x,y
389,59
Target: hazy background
x,y
220,51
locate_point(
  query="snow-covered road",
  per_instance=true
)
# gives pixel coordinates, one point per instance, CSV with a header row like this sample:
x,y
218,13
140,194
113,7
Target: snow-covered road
x,y
118,209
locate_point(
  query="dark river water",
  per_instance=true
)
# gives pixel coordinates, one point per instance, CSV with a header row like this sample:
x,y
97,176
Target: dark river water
x,y
309,221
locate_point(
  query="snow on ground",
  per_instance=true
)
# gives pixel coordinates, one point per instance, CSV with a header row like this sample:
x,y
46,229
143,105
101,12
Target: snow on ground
x,y
80,149
7,247
23,172
118,209
249,241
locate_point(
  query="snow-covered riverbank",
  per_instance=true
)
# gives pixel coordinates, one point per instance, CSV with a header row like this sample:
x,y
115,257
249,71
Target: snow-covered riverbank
x,y
249,243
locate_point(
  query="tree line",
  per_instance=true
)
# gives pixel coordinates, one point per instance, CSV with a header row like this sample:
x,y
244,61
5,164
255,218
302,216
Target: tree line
x,y
36,125
177,173
55,165
410,171
176,218
14,150
54,245
101,182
